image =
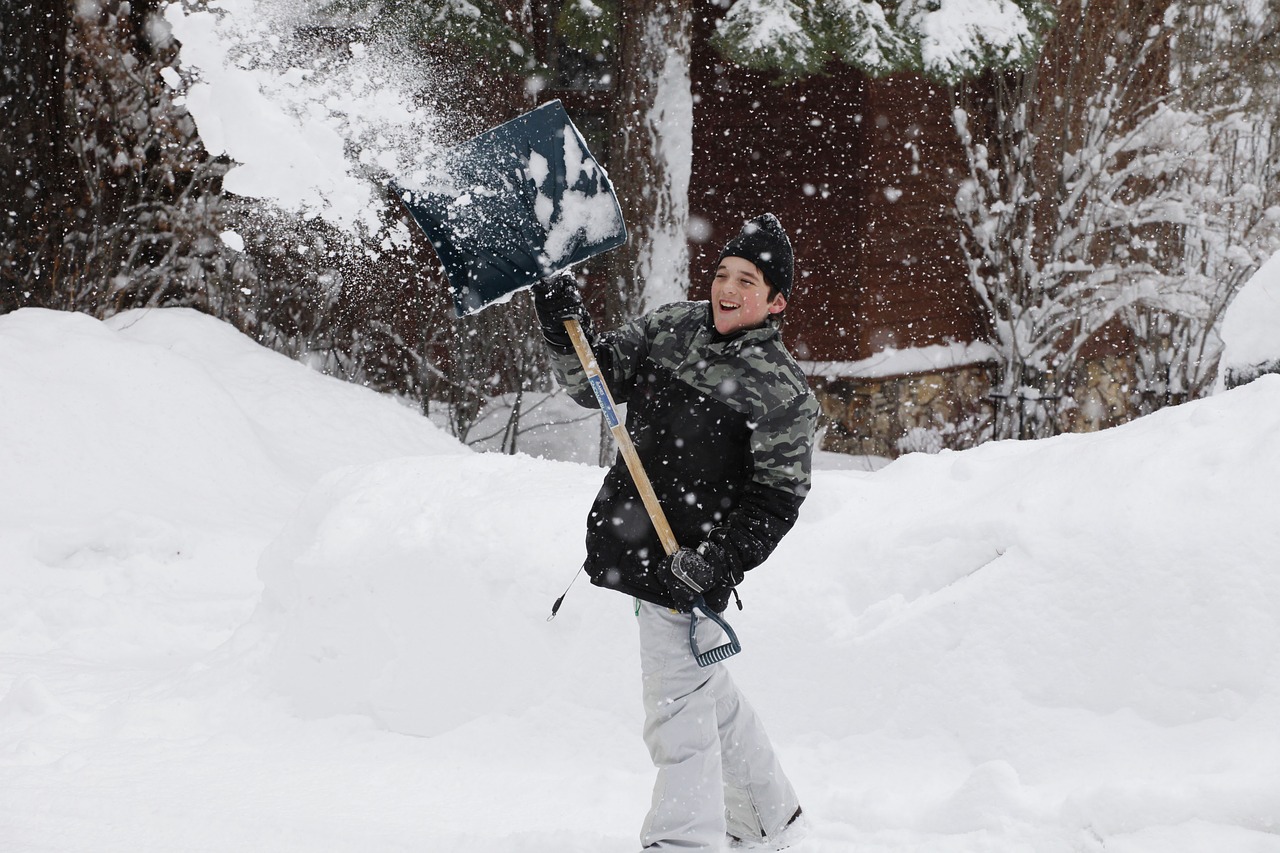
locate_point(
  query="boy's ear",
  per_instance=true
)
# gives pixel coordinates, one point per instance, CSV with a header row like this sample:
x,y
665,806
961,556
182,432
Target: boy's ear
x,y
778,304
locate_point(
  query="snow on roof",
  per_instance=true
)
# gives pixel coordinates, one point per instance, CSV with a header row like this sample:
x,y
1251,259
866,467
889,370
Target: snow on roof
x,y
898,362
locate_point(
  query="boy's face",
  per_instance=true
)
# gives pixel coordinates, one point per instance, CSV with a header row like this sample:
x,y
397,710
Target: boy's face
x,y
740,296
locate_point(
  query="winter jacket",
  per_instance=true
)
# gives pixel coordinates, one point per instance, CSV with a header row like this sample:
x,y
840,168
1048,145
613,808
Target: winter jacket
x,y
724,426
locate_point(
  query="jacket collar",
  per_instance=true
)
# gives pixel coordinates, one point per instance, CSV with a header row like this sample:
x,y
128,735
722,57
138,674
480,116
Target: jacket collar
x,y
736,341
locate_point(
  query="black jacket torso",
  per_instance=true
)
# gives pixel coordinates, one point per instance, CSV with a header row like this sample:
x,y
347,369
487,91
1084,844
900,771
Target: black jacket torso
x,y
724,428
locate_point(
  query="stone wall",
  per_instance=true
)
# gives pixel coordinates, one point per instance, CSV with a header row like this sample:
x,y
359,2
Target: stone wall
x,y
1103,394
952,408
894,415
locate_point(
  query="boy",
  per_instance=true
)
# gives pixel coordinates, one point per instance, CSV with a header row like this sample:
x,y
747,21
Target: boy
x,y
723,421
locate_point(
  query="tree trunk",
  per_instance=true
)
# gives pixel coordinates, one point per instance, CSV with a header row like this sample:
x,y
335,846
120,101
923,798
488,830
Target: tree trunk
x,y
35,163
652,158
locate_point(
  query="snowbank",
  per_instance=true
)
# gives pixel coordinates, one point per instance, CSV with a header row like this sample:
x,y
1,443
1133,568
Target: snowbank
x,y
417,592
1251,328
1079,631
232,588
147,445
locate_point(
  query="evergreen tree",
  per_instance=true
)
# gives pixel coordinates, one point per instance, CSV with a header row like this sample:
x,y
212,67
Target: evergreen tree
x,y
947,41
488,33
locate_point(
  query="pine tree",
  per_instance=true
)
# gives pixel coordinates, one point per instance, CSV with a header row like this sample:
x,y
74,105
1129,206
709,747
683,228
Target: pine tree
x,y
945,41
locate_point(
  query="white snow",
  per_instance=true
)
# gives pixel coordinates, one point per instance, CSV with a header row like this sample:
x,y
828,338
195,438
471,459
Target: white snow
x,y
310,129
1251,323
955,35
233,239
584,217
663,260
899,362
247,607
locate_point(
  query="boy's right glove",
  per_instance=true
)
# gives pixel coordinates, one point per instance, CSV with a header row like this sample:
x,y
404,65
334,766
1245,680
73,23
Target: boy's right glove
x,y
687,575
557,299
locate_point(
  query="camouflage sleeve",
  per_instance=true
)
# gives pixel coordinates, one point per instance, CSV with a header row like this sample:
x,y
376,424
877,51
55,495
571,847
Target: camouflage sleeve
x,y
618,354
782,446
782,453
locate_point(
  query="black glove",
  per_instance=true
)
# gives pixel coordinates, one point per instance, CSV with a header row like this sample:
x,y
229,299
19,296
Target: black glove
x,y
557,299
687,575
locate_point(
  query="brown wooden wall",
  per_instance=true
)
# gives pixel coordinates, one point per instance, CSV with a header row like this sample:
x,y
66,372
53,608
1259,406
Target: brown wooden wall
x,y
862,173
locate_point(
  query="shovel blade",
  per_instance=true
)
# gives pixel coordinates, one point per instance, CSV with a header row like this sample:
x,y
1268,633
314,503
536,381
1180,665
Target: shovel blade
x,y
524,200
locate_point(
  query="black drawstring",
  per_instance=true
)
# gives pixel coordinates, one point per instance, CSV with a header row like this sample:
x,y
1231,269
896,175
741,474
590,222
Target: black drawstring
x,y
555,608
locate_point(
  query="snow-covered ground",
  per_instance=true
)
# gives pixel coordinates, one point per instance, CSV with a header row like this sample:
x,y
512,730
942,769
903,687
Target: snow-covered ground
x,y
245,607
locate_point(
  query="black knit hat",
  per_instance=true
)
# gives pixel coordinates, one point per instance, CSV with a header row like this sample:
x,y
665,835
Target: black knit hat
x,y
765,244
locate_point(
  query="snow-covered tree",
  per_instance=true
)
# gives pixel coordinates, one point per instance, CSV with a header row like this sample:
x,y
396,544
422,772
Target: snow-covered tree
x,y
110,198
944,39
1098,192
1225,70
146,231
652,155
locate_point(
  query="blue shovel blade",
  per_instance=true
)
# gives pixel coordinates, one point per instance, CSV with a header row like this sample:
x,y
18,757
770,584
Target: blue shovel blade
x,y
529,200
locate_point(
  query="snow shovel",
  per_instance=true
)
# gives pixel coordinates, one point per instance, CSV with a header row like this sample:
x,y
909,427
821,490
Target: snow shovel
x,y
514,205
517,204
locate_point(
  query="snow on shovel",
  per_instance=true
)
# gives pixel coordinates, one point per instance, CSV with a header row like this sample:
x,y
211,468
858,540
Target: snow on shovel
x,y
517,204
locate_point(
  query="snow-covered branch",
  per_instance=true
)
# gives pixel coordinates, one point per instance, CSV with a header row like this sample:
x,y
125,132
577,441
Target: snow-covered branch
x,y
945,39
1122,200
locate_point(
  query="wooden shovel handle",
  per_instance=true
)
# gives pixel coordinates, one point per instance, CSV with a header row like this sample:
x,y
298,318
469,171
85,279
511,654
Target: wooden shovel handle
x,y
620,434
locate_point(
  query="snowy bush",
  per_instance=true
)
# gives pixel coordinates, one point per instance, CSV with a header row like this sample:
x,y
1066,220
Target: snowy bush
x,y
1104,187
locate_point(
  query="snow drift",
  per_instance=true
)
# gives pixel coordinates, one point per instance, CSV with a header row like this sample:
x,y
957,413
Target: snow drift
x,y
1251,328
240,586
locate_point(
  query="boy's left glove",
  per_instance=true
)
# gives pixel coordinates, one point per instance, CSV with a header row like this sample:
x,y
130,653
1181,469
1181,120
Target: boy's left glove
x,y
557,299
687,575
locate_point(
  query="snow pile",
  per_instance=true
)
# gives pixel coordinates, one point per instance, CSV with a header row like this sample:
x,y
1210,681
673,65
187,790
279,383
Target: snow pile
x,y
1251,328
291,112
154,445
1079,631
1025,633
417,591
233,588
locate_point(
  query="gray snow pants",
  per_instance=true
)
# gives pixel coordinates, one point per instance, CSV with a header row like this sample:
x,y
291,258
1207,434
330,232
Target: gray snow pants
x,y
717,771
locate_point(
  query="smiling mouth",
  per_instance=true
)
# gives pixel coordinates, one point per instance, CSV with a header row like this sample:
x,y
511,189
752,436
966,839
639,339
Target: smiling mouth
x,y
729,306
